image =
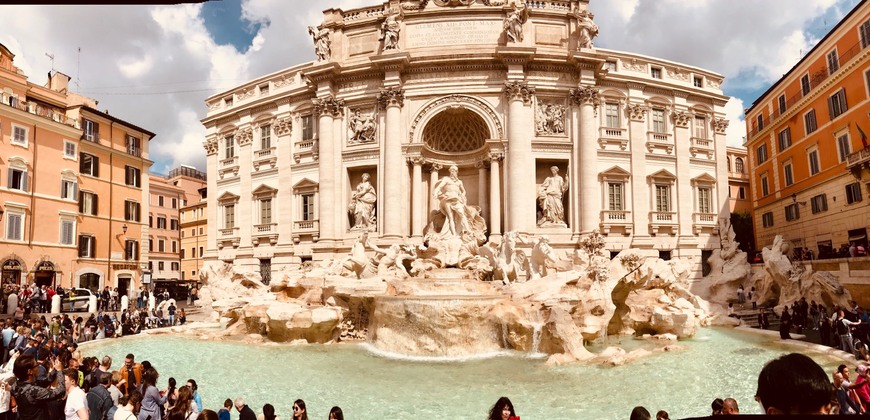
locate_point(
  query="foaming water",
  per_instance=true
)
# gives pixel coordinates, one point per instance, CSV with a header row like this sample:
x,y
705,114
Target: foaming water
x,y
434,359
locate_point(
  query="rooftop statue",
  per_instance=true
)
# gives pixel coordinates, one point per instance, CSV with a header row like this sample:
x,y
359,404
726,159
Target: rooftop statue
x,y
322,42
513,23
390,32
588,30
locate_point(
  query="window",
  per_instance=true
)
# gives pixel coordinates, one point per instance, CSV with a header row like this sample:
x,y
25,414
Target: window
x,y
704,204
833,62
853,193
656,72
19,135
161,222
200,231
161,265
784,138
89,165
844,146
87,203
307,207
132,176
17,179
264,89
70,150
819,203
174,203
663,198
134,146
610,65
767,219
14,226
174,246
738,165
700,127
229,147
698,81
160,200
813,157
765,188
91,130
265,136
837,104
150,244
131,211
229,216
810,124
69,190
193,232
615,196
864,32
192,252
805,84
761,154
307,127
173,224
87,246
781,103
67,231
787,170
200,251
658,120
173,266
266,211
161,245
792,212
611,115
741,193
759,121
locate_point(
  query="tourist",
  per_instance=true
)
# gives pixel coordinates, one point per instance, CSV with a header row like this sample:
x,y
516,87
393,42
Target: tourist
x,y
30,398
131,374
171,393
741,296
184,408
844,330
794,384
729,407
639,413
245,412
335,413
182,317
76,406
207,415
151,398
224,413
662,415
785,324
114,391
862,386
128,406
268,413
753,297
503,409
845,404
299,411
99,399
171,311
716,406
196,397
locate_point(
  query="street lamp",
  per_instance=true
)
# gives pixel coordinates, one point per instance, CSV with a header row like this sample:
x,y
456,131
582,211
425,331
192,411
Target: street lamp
x,y
124,228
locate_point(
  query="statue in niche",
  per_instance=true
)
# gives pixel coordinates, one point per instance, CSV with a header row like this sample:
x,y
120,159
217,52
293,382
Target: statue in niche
x,y
362,127
550,195
587,29
513,23
550,119
362,204
450,193
390,32
321,42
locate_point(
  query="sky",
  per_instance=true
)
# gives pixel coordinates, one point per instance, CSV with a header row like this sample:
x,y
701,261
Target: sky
x,y
154,65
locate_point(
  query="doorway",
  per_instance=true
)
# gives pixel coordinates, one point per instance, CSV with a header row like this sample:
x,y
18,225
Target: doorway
x,y
124,285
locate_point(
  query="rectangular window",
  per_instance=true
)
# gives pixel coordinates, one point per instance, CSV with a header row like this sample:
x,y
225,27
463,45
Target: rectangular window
x,y
765,188
761,154
837,104
658,120
173,224
611,115
87,246
134,146
789,176
833,62
17,179
701,127
266,211
810,124
160,200
174,246
610,65
161,222
307,127
844,146
70,150
87,203
308,207
741,193
805,84
132,211
265,136
19,135
132,176
67,232
229,147
14,226
781,103
819,203
698,81
864,32
813,157
792,212
131,250
767,219
193,232
656,72
614,196
663,198
192,252
89,165
68,189
161,245
759,122
853,193
704,204
784,138
229,216
91,130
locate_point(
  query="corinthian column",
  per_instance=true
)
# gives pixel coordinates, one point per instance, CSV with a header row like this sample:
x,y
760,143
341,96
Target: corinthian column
x,y
328,108
494,195
392,99
417,195
521,162
586,97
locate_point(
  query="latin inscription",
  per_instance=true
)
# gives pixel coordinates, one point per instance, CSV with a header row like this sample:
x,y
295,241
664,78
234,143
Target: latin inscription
x,y
454,33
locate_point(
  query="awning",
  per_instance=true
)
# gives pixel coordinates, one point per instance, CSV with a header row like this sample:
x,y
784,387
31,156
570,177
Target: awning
x,y
857,237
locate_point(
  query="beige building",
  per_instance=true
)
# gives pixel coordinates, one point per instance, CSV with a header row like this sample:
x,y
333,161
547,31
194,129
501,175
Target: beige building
x,y
738,181
303,160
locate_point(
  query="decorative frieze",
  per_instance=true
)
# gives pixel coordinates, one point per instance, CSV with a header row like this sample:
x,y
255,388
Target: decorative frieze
x,y
637,112
519,91
550,119
244,136
681,118
720,125
328,105
393,96
282,126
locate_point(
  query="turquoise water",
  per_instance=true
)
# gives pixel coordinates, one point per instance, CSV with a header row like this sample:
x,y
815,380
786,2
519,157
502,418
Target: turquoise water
x,y
717,363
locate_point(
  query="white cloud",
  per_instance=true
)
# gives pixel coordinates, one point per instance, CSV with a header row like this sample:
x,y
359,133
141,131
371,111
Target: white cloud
x,y
132,67
736,132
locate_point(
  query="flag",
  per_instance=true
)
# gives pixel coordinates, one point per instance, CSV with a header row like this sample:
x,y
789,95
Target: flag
x,y
863,136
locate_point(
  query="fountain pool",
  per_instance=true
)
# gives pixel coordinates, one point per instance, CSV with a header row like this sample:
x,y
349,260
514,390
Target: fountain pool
x,y
718,362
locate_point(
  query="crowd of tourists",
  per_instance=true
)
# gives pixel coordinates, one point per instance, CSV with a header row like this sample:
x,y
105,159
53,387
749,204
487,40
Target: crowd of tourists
x,y
846,328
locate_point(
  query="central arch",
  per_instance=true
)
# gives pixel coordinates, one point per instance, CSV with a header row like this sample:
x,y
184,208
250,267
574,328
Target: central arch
x,y
455,130
465,107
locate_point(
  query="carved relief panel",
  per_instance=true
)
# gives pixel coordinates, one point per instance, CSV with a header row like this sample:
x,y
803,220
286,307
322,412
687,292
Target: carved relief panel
x,y
550,118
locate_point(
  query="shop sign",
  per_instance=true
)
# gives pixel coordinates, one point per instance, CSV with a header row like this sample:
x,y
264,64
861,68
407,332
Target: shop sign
x,y
45,266
128,266
12,265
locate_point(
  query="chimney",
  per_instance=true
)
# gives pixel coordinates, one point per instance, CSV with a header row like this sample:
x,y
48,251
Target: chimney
x,y
58,82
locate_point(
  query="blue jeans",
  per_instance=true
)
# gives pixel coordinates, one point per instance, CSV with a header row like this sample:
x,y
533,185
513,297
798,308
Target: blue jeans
x,y
171,320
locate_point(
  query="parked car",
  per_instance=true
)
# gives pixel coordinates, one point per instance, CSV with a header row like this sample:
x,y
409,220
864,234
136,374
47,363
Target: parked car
x,y
80,301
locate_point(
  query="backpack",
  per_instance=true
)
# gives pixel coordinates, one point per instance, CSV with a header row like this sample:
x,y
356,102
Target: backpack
x,y
842,329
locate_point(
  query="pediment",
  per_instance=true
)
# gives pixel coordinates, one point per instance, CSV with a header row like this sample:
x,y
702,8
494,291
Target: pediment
x,y
305,184
264,190
615,172
705,179
662,176
228,197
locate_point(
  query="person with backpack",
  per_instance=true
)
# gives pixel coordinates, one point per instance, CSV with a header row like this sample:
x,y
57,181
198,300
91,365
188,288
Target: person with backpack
x,y
844,330
99,399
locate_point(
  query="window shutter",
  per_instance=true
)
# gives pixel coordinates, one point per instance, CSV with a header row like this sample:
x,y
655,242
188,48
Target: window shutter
x,y
92,242
845,105
82,246
831,107
9,178
23,180
81,202
127,175
136,250
96,131
75,191
15,226
96,166
94,211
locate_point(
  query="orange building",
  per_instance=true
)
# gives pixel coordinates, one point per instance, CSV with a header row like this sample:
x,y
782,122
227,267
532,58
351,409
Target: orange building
x,y
194,234
806,145
72,183
169,195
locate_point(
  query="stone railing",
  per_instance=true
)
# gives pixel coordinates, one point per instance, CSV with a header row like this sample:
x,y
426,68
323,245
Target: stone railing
x,y
363,13
302,226
265,228
619,216
659,137
859,157
304,145
704,218
229,232
562,6
663,217
262,153
229,161
705,143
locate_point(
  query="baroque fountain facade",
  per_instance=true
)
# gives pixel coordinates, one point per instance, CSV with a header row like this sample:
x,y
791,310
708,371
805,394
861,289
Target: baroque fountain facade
x,y
570,192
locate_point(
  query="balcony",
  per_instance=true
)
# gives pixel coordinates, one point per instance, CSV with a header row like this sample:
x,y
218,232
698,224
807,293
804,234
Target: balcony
x,y
704,222
701,146
267,231
227,166
659,141
306,227
134,150
305,148
228,236
50,113
662,220
858,159
265,157
616,219
615,137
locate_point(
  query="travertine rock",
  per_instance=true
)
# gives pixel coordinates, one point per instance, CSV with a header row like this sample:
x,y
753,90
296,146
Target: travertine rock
x,y
288,322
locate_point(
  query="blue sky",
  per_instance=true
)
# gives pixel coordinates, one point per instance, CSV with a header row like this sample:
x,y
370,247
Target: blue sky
x,y
155,65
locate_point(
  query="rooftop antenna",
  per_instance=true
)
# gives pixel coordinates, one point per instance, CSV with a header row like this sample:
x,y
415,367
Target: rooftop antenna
x,y
78,67
51,57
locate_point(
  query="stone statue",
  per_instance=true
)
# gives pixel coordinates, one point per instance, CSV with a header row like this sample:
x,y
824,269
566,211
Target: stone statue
x,y
391,260
450,193
362,204
321,42
550,119
550,198
587,29
542,254
362,127
455,229
504,258
390,32
513,23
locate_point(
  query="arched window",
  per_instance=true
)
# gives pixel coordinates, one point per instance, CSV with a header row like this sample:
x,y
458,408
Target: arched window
x,y
738,165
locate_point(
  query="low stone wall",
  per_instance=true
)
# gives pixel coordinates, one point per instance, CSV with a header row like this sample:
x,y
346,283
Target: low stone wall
x,y
853,273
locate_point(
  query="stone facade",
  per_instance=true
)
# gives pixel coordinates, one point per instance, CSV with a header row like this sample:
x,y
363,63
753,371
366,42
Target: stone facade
x,y
639,141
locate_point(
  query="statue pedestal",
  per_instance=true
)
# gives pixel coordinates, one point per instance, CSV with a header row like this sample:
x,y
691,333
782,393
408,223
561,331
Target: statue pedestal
x,y
553,225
